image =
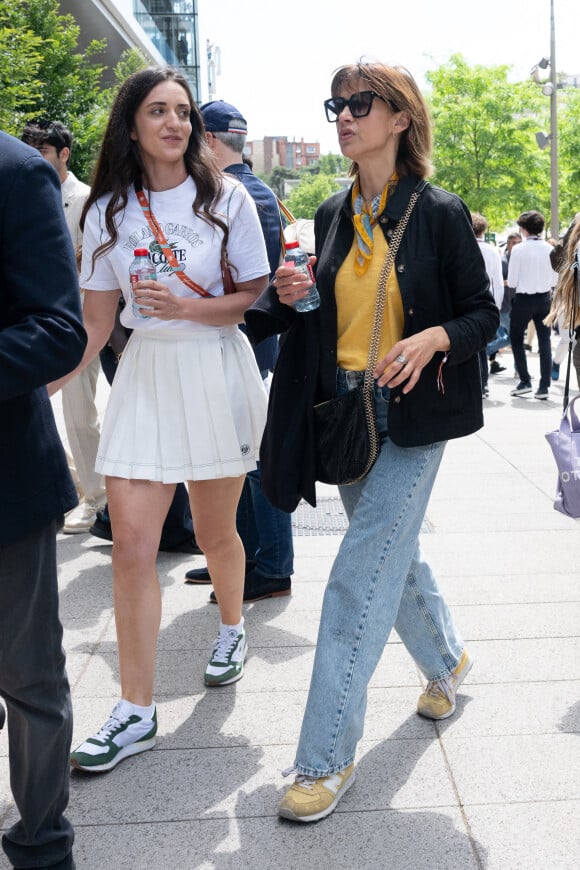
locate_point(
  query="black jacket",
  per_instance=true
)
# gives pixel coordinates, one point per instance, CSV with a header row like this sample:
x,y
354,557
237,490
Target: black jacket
x,y
443,282
41,339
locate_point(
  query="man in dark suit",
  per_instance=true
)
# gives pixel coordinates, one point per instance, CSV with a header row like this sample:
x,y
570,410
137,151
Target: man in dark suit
x,y
41,339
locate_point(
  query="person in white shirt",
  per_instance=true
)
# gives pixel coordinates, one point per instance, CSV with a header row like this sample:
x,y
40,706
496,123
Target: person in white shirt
x,y
187,403
492,261
531,274
81,418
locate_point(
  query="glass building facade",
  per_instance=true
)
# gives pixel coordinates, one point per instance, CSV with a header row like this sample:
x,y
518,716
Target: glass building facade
x,y
172,27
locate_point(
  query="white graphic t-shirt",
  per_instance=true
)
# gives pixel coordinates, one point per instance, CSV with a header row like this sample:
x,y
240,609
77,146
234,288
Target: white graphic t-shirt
x,y
196,245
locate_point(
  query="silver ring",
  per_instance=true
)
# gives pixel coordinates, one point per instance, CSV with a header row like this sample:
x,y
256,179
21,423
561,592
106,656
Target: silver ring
x,y
401,359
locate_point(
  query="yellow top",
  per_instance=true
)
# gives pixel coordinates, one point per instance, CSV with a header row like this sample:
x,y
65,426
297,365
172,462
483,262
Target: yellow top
x,y
355,302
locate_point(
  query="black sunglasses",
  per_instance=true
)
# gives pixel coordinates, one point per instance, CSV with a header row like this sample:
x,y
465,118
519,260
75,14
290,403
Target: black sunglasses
x,y
359,105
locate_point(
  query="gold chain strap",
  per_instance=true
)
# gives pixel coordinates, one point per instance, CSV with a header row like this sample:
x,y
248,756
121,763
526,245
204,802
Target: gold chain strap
x,y
368,398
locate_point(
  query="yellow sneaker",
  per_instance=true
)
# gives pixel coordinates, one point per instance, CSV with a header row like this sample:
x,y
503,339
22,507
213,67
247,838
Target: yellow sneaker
x,y
309,799
438,699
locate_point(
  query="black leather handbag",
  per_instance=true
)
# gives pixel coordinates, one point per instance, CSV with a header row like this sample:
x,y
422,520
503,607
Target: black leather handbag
x,y
346,437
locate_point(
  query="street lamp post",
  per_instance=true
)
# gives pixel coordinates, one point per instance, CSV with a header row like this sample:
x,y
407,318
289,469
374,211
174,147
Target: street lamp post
x,y
550,89
554,205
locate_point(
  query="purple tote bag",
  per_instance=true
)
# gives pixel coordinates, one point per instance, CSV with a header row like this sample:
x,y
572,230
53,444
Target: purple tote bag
x,y
565,444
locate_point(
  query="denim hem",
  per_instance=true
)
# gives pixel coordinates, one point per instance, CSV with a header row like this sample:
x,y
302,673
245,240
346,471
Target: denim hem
x,y
446,673
318,774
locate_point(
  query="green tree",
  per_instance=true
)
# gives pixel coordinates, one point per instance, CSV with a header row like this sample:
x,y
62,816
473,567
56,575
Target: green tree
x,y
307,196
20,61
485,149
277,178
331,164
569,153
43,74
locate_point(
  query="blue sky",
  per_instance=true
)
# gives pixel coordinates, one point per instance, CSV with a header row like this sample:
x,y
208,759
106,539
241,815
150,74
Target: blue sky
x,y
276,65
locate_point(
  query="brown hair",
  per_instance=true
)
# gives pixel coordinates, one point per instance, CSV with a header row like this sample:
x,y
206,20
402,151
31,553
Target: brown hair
x,y
398,88
479,223
565,302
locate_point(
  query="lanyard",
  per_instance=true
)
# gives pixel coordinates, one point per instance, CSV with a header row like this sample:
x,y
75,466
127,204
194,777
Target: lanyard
x,y
164,244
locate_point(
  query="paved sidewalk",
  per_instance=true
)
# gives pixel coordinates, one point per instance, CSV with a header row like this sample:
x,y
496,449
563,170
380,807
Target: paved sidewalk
x,y
495,787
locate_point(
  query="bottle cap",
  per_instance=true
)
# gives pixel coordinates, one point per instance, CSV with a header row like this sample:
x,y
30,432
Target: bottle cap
x,y
292,245
140,252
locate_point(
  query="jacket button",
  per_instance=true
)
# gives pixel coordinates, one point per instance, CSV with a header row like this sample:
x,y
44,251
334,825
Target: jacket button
x,y
396,400
383,219
401,268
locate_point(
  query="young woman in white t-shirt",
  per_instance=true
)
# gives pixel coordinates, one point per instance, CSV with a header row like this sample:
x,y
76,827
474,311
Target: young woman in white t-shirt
x,y
187,403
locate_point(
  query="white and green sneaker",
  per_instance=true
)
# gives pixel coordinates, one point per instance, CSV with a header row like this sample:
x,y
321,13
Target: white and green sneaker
x,y
123,734
226,663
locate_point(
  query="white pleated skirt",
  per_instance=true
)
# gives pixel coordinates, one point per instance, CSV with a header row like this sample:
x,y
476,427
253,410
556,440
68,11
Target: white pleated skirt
x,y
184,406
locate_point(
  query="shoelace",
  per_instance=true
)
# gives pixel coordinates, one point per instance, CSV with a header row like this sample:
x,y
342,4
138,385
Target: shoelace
x,y
224,645
443,686
301,778
112,724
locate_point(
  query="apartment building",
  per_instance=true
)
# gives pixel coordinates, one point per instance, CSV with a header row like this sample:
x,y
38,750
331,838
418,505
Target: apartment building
x,y
274,151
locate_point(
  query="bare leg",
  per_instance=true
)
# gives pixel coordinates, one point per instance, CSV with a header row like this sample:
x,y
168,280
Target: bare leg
x,y
138,509
213,507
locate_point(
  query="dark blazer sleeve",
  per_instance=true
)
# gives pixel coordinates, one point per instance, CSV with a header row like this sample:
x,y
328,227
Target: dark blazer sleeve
x,y
41,332
41,339
268,316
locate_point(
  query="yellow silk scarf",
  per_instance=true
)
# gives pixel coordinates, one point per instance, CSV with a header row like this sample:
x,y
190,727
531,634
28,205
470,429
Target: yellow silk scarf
x,y
365,215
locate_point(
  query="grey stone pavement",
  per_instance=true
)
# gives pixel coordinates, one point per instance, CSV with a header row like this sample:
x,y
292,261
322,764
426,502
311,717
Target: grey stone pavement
x,y
496,787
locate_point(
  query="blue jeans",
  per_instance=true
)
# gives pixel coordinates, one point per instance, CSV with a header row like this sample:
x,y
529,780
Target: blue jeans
x,y
378,581
266,532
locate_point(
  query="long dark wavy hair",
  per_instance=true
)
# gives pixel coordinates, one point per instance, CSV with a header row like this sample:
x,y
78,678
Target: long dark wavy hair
x,y
119,162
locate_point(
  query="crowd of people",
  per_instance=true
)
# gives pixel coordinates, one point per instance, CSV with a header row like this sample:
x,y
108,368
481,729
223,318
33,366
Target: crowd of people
x,y
536,281
190,441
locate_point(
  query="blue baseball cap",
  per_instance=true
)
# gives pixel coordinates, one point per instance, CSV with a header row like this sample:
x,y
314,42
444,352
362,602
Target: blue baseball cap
x,y
222,117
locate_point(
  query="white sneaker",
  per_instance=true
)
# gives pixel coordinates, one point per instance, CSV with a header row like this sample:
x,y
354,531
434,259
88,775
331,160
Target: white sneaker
x,y
81,518
226,663
123,734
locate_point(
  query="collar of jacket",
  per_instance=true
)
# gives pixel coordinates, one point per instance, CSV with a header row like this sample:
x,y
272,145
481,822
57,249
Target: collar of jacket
x,y
397,202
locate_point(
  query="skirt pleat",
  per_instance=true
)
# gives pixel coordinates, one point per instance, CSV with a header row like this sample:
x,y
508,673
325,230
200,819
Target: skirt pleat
x,y
184,407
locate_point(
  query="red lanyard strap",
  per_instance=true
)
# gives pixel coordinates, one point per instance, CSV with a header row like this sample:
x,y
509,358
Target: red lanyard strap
x,y
164,244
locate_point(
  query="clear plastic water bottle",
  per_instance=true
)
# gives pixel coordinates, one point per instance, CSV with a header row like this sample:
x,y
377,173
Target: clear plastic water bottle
x,y
301,261
141,269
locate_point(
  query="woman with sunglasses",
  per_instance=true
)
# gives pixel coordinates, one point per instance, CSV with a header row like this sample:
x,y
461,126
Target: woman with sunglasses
x,y
439,313
187,403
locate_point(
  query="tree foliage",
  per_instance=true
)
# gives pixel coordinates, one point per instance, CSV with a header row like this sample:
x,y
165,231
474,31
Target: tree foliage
x,y
307,196
331,164
485,149
569,153
20,61
278,177
43,75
